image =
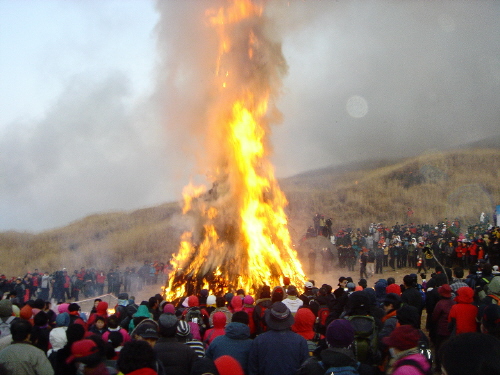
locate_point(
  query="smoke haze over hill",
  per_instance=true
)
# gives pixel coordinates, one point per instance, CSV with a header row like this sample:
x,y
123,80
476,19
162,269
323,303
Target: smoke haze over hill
x,y
99,117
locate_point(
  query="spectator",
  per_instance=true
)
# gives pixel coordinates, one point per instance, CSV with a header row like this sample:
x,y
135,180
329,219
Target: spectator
x,y
292,301
471,354
176,357
22,358
279,351
236,342
184,335
463,315
219,321
136,357
406,358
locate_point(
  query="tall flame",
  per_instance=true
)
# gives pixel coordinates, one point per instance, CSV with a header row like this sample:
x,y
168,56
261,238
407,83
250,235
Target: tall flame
x,y
240,239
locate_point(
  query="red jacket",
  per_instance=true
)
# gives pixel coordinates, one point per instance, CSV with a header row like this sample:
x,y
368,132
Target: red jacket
x,y
464,312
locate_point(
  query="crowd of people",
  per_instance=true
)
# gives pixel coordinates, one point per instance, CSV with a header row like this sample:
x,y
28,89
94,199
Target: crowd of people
x,y
353,329
448,323
408,245
87,282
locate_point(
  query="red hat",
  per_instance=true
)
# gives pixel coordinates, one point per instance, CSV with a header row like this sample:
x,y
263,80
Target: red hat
x,y
82,348
403,338
445,291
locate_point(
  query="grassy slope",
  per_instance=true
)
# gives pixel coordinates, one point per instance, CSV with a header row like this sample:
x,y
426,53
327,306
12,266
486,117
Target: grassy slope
x,y
453,184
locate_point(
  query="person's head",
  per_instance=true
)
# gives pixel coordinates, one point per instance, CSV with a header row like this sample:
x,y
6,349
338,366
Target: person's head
x,y
363,283
292,290
358,304
490,321
147,331
342,282
41,319
167,325
220,302
153,303
278,294
136,355
96,302
183,330
100,323
115,338
391,280
445,291
340,333
113,321
408,315
402,338
20,330
408,281
240,317
472,354
392,302
278,317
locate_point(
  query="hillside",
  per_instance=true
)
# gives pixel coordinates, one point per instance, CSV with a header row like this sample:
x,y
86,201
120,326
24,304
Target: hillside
x,y
453,184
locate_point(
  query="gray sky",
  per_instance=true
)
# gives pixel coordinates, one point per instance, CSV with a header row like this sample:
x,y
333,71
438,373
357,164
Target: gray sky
x,y
98,98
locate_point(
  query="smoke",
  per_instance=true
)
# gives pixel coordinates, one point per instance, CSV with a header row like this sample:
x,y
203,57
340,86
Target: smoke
x,y
365,80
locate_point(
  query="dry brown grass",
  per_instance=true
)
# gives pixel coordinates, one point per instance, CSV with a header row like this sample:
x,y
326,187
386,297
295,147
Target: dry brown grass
x,y
446,185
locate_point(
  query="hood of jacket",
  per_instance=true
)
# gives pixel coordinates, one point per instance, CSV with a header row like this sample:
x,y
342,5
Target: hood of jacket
x,y
193,301
304,321
465,295
219,320
494,286
57,338
102,308
26,312
237,331
142,312
237,303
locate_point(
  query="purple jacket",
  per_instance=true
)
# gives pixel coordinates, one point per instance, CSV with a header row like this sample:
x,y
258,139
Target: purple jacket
x,y
440,316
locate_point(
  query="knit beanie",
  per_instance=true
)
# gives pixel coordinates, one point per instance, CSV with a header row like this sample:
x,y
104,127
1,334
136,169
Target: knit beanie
x,y
340,333
169,309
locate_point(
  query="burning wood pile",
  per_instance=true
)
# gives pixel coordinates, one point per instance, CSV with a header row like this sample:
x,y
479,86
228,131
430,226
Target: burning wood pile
x,y
239,237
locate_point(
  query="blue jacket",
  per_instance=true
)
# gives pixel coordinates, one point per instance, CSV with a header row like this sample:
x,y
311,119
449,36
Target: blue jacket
x,y
235,343
277,353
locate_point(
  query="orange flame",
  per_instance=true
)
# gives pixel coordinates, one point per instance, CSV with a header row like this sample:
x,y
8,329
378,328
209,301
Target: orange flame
x,y
240,238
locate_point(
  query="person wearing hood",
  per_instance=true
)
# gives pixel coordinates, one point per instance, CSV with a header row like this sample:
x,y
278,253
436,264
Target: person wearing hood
x,y
58,340
249,307
101,310
236,304
141,314
304,324
219,323
278,351
492,297
339,354
440,319
406,358
235,342
261,305
462,317
380,291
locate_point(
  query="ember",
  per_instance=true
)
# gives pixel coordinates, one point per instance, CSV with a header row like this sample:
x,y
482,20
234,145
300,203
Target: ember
x,y
240,238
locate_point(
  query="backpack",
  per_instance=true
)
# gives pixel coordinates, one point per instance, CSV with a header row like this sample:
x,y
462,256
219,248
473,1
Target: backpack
x,y
413,363
194,315
5,326
343,370
323,313
313,343
365,338
260,322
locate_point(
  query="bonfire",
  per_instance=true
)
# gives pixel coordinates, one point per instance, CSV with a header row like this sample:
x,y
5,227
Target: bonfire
x,y
240,237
